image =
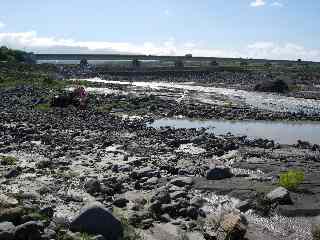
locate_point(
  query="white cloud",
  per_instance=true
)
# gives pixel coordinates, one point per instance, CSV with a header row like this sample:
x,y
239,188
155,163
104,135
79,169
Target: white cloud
x,y
277,4
258,3
269,50
2,25
167,12
290,51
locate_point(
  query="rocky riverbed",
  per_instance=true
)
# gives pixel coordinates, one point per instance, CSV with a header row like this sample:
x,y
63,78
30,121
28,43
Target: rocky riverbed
x,y
151,183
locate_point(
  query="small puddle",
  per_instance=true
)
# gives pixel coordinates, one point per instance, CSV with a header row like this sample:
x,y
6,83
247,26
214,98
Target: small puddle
x,y
281,132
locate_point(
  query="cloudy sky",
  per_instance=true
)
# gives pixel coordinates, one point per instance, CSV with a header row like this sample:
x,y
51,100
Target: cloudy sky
x,y
274,29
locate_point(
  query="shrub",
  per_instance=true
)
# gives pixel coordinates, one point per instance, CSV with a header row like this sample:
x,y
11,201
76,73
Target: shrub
x,y
8,160
291,179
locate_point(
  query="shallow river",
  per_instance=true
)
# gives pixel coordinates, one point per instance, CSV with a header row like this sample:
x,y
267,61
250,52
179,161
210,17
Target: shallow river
x,y
265,101
281,132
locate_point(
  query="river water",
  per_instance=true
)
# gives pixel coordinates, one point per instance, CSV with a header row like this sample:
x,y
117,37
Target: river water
x,y
264,101
281,132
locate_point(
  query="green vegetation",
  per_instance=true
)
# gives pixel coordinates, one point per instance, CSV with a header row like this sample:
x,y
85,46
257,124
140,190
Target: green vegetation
x,y
10,55
291,179
43,107
8,160
15,74
36,216
85,236
129,232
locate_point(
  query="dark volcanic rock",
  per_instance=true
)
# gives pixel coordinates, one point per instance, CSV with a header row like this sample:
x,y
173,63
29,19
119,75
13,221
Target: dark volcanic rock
x,y
182,181
219,173
92,186
95,219
278,86
120,202
145,172
13,172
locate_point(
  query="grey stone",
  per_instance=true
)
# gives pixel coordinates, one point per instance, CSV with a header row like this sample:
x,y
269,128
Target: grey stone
x,y
6,201
178,194
7,231
280,195
92,186
233,226
120,202
243,206
44,164
197,202
6,226
48,234
98,237
29,230
162,197
95,219
13,172
182,181
11,214
145,172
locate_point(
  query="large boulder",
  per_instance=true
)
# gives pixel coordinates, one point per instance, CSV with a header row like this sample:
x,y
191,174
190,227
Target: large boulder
x,y
7,231
62,101
29,230
6,201
278,86
233,227
92,186
95,219
11,214
280,195
219,173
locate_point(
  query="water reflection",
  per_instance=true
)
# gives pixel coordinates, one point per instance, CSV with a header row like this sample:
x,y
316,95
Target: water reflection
x,y
282,132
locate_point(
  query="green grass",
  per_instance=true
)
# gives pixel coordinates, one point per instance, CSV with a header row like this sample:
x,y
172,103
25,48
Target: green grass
x,y
291,179
8,160
104,108
42,107
129,232
85,236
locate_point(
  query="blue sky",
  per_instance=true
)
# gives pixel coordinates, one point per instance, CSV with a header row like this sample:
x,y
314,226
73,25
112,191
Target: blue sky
x,y
279,29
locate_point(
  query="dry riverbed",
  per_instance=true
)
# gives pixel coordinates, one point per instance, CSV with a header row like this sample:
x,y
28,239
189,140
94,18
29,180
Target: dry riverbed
x,y
168,183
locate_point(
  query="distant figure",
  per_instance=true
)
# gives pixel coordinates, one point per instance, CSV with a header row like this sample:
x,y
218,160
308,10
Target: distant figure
x,y
81,95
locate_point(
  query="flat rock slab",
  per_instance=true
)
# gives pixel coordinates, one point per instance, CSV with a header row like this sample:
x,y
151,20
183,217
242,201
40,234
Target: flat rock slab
x,y
303,205
169,231
233,185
